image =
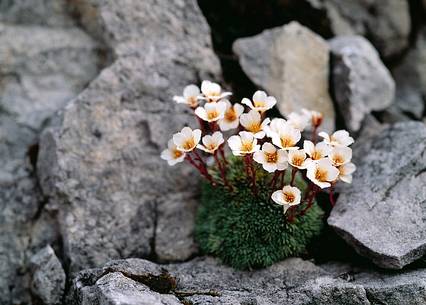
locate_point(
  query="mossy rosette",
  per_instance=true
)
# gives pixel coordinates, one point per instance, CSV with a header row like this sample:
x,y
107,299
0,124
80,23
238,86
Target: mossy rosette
x,y
247,231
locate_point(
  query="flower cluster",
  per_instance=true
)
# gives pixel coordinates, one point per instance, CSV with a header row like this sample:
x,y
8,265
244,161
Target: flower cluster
x,y
275,145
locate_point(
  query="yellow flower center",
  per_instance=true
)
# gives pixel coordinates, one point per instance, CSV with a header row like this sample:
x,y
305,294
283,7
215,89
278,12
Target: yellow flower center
x,y
321,175
211,146
297,160
259,103
177,153
246,146
230,115
289,197
189,144
211,115
254,127
287,142
338,159
192,101
271,157
316,155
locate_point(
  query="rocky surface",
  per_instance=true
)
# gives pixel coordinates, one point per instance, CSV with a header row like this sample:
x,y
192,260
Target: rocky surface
x,y
382,214
102,165
297,76
48,277
361,82
41,68
205,281
385,23
410,76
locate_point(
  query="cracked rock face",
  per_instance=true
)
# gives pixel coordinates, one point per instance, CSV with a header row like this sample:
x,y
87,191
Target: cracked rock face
x,y
361,82
385,22
383,213
205,281
297,76
102,165
44,62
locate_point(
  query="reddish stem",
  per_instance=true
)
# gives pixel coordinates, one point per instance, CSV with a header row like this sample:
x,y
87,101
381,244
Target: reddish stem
x,y
314,135
310,202
293,175
331,196
222,171
282,178
203,168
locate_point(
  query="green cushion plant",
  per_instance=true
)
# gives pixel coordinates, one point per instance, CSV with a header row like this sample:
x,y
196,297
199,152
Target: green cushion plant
x,y
258,206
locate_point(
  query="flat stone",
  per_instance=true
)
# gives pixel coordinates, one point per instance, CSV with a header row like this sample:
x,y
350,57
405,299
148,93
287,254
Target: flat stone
x,y
361,82
48,277
382,213
101,165
206,281
291,63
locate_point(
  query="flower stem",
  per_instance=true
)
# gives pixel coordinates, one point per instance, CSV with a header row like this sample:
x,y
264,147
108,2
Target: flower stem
x,y
222,171
331,196
310,201
201,167
293,175
314,135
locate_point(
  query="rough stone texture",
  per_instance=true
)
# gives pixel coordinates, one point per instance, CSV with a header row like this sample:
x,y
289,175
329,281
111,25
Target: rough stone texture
x,y
382,214
41,69
205,281
290,63
102,164
361,82
48,277
385,22
410,77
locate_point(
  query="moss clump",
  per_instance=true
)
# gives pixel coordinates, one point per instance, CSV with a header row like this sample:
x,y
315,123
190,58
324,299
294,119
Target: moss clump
x,y
248,232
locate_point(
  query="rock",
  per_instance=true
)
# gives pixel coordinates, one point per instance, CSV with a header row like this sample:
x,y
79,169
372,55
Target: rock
x,y
205,281
382,214
102,165
48,277
41,69
361,82
410,77
290,63
385,23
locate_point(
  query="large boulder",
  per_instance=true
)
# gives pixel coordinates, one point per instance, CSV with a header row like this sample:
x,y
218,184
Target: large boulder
x,y
205,281
292,64
361,82
43,65
385,22
382,214
101,167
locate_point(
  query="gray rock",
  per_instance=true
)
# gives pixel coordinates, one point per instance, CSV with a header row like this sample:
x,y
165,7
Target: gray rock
x,y
102,165
410,77
41,69
386,23
292,64
382,214
361,82
205,281
48,277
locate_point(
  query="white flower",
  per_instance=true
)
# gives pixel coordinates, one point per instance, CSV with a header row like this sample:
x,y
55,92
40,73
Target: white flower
x,y
187,139
252,122
212,92
243,144
314,116
172,155
211,112
231,118
211,143
274,126
340,155
285,136
261,102
287,197
272,159
339,138
298,121
322,172
297,158
190,96
316,151
346,171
